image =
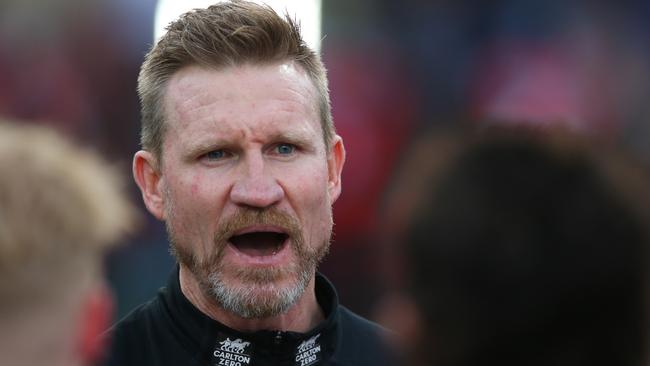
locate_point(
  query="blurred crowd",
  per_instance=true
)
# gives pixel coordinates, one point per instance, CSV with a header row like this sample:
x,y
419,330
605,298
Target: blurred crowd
x,y
396,69
400,68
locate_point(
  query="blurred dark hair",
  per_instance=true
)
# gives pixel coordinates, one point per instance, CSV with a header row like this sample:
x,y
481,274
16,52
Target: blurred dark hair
x,y
530,249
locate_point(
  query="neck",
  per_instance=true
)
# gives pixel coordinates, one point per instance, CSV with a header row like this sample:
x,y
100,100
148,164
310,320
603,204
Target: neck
x,y
302,317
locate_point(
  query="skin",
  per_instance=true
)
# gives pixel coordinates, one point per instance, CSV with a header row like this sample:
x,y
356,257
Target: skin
x,y
244,137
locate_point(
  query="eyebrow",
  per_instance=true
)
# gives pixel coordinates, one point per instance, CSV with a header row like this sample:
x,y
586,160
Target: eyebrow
x,y
202,147
289,136
296,138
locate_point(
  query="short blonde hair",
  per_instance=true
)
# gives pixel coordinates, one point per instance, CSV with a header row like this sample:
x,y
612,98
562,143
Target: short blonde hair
x,y
226,34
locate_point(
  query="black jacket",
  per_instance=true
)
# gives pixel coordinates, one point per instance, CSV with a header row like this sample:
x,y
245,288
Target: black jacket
x,y
169,330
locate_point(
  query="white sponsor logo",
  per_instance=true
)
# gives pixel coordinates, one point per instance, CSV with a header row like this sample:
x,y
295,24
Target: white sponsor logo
x,y
231,353
308,352
236,346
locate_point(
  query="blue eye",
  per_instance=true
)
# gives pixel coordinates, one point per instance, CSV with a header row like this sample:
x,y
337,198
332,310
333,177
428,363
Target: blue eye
x,y
285,149
215,155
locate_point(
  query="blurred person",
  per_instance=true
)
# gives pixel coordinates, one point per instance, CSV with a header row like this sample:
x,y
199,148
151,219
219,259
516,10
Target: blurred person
x,y
241,161
61,208
521,249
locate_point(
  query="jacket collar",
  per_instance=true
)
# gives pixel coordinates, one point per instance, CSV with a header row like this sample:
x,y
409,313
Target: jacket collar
x,y
212,341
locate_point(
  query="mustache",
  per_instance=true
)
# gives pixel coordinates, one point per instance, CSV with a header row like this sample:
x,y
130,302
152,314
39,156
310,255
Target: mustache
x,y
248,217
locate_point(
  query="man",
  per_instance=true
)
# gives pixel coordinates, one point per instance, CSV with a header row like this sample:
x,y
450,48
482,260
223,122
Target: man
x,y
523,250
241,162
61,208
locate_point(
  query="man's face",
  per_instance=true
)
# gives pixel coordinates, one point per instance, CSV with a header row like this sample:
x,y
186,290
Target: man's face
x,y
247,183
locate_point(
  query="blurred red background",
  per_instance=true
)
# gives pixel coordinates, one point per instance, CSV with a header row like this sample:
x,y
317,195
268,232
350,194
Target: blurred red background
x,y
395,68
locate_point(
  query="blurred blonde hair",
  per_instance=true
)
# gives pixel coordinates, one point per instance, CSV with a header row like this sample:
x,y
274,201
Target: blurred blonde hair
x,y
61,207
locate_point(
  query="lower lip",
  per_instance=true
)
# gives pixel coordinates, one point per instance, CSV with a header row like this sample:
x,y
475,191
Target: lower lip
x,y
280,257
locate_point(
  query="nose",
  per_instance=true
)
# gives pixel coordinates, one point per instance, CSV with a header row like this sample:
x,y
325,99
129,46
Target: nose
x,y
256,187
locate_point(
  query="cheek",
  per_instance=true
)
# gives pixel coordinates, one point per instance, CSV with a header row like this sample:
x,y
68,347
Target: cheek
x,y
312,202
193,211
188,196
195,188
310,187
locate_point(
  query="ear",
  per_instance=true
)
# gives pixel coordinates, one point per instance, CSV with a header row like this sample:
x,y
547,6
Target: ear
x,y
335,162
95,317
147,175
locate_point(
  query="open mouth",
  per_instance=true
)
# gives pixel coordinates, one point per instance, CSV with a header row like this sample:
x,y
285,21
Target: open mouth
x,y
259,243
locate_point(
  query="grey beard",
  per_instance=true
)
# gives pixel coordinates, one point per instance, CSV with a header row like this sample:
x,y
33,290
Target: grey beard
x,y
255,293
246,302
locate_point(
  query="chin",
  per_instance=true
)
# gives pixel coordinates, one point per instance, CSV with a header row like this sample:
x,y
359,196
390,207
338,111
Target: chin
x,y
261,293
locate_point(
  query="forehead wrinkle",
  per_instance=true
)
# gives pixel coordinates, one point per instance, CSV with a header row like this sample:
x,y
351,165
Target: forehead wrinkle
x,y
305,89
188,108
293,106
298,97
188,99
184,94
183,83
